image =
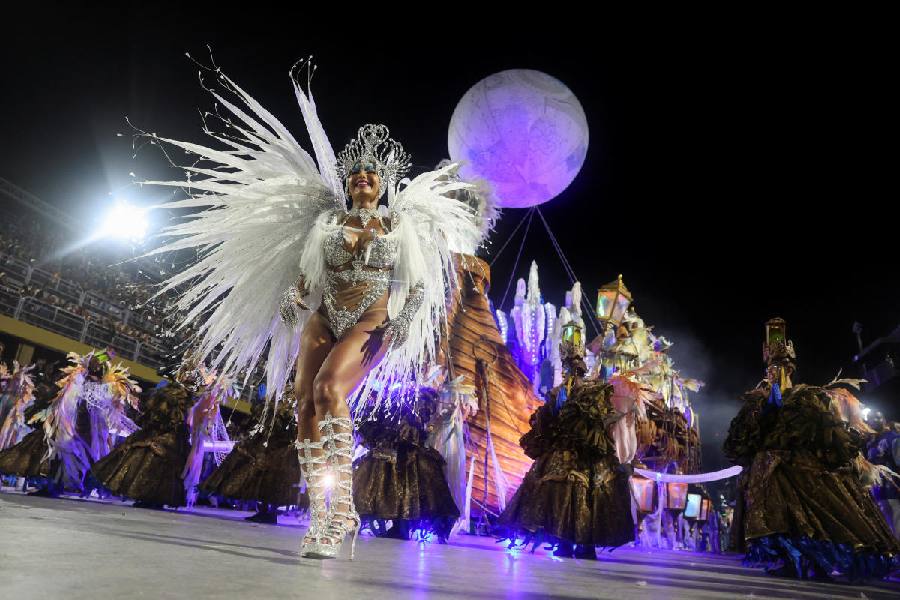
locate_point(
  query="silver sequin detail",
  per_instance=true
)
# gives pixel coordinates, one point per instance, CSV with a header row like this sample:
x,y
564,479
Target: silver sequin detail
x,y
292,303
288,307
342,319
380,253
335,253
368,265
364,215
398,328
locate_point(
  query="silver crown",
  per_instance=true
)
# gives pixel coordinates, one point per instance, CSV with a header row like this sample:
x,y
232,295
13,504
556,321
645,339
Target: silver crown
x,y
373,143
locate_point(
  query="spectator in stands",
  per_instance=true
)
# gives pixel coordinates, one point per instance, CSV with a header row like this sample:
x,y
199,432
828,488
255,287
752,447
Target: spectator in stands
x,y
113,289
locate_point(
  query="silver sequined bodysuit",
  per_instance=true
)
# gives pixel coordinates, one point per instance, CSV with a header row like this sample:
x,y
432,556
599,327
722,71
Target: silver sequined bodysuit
x,y
355,280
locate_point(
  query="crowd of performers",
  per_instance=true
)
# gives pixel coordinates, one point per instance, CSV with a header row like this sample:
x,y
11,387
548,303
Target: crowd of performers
x,y
594,428
59,434
818,495
89,433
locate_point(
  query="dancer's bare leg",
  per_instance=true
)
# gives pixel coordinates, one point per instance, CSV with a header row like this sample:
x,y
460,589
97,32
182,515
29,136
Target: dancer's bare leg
x,y
350,360
315,344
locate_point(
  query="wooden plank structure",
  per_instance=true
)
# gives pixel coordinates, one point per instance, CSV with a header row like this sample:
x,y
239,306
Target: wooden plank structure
x,y
478,353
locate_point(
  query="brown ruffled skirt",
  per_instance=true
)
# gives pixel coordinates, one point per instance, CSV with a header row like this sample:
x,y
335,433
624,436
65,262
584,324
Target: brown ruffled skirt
x,y
564,498
147,467
792,494
28,457
252,471
407,483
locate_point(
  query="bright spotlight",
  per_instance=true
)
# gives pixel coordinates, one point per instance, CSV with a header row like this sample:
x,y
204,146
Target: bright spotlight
x,y
865,413
328,481
125,221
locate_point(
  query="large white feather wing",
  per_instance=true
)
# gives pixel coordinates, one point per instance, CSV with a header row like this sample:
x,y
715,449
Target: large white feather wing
x,y
252,208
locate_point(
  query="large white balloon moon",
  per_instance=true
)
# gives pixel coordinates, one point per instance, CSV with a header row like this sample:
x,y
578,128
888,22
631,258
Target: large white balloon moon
x,y
524,132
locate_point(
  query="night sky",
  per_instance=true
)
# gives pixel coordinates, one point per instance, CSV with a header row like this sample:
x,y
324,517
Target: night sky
x,y
741,166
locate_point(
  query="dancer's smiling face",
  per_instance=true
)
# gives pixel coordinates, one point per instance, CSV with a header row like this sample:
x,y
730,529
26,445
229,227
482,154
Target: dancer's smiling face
x,y
364,183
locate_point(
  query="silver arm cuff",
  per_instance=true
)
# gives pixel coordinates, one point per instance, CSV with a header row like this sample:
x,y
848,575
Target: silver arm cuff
x,y
398,327
291,303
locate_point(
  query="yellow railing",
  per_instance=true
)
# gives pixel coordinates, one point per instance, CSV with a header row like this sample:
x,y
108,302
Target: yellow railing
x,y
54,341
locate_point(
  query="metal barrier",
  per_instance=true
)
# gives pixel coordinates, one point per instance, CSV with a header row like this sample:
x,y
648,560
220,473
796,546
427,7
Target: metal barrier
x,y
9,300
17,274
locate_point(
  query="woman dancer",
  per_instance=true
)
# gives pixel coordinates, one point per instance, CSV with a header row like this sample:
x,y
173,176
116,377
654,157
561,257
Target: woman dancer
x,y
366,286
